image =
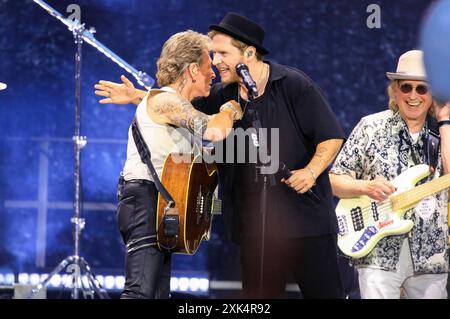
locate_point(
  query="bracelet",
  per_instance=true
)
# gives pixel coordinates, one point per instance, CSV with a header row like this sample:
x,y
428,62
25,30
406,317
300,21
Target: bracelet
x,y
229,105
444,122
312,173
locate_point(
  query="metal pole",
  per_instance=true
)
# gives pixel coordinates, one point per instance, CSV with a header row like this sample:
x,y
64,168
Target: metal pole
x,y
78,143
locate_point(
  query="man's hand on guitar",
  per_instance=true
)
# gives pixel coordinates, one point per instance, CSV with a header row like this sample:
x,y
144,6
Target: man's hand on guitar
x,y
300,181
378,189
118,93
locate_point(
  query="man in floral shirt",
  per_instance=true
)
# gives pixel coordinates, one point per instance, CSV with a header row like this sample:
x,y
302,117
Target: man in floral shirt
x,y
382,146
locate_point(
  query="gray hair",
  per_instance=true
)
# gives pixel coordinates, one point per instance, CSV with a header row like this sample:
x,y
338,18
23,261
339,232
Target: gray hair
x,y
178,52
390,91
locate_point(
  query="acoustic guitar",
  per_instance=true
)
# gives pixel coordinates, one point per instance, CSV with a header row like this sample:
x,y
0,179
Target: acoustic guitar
x,y
191,182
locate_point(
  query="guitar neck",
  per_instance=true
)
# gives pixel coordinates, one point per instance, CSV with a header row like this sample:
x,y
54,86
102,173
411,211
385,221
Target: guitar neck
x,y
418,193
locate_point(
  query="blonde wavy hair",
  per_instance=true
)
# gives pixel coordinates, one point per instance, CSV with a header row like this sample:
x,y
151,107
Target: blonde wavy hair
x,y
390,91
178,52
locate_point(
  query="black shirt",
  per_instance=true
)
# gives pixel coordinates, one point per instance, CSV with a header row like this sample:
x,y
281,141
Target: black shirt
x,y
294,104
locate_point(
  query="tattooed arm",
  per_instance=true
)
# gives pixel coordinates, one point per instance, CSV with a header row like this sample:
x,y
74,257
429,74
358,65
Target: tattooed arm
x,y
324,156
169,108
305,178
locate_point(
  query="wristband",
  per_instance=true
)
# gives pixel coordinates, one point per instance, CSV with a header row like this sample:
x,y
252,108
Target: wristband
x,y
312,173
237,115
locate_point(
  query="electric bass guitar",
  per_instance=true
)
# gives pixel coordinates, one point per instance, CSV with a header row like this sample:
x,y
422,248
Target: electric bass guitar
x,y
363,222
191,183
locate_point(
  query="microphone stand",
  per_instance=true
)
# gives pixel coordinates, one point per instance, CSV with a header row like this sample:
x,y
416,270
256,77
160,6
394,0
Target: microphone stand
x,y
268,179
88,36
76,264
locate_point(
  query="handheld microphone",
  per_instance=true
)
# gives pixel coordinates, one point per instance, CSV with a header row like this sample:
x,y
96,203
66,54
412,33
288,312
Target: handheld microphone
x,y
244,74
286,173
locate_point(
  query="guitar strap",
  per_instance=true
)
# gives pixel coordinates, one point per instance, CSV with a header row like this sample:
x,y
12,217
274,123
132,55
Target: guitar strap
x,y
432,145
433,142
171,218
146,157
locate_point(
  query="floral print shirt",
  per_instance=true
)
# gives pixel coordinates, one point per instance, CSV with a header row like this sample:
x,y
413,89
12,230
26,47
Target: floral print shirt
x,y
380,145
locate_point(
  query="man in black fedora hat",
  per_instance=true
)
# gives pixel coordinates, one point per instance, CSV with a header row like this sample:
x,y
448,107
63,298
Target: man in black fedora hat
x,y
300,240
300,232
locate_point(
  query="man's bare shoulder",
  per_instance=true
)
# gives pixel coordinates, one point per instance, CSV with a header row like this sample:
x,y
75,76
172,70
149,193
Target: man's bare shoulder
x,y
161,102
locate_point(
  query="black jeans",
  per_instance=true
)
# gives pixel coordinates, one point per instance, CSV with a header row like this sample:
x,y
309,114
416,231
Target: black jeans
x,y
311,262
147,269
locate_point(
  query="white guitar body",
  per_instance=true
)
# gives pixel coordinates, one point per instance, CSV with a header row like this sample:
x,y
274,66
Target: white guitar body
x,y
363,222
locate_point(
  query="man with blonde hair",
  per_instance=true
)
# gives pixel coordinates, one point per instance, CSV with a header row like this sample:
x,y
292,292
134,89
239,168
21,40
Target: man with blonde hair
x,y
184,72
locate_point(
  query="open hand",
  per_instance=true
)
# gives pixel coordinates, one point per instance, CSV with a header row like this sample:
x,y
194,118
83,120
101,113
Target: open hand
x,y
116,93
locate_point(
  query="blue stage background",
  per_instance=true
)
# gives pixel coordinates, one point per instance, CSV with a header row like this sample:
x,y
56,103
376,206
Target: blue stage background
x,y
329,40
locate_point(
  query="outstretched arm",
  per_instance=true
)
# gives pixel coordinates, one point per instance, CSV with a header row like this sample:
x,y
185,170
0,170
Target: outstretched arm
x,y
119,93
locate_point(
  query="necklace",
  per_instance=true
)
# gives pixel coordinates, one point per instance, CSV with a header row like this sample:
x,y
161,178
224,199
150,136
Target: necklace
x,y
239,102
239,95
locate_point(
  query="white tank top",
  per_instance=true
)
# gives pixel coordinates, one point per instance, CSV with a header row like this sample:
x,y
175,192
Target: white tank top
x,y
160,139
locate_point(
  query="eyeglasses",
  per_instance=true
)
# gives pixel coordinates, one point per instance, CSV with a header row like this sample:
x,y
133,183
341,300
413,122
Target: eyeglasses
x,y
420,89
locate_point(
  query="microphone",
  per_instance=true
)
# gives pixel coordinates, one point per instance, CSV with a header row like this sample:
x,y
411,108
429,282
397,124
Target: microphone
x,y
244,74
286,173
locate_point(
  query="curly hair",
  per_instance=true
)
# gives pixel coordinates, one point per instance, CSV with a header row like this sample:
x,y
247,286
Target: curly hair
x,y
178,53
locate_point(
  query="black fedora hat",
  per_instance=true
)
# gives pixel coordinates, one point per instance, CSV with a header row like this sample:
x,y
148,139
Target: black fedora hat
x,y
243,29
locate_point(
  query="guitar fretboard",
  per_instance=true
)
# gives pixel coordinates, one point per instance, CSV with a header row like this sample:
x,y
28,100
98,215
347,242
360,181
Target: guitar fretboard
x,y
416,194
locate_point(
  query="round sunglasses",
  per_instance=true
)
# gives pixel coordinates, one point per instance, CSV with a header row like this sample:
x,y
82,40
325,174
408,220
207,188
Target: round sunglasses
x,y
421,89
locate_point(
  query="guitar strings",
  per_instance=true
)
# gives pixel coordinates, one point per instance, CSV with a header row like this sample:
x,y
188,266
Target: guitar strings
x,y
366,210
